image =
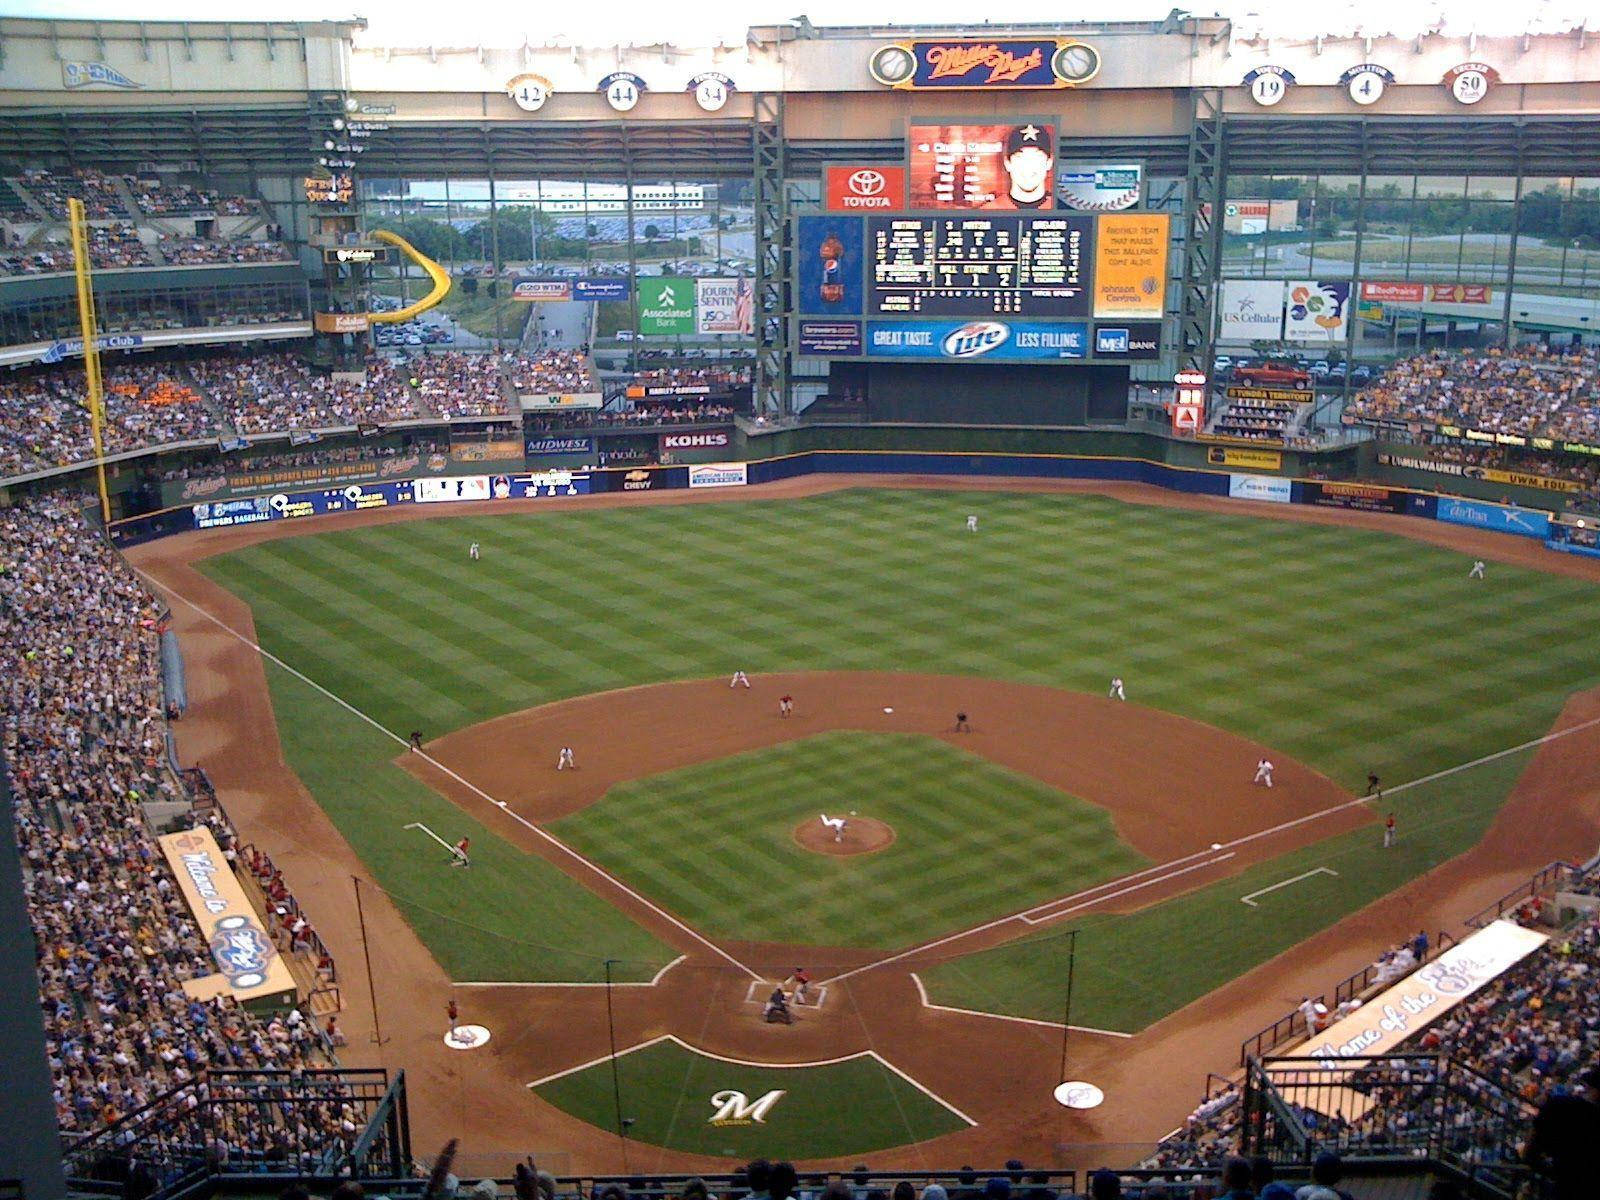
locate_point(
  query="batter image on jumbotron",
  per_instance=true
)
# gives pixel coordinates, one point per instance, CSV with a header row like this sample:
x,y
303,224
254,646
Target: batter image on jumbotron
x,y
983,166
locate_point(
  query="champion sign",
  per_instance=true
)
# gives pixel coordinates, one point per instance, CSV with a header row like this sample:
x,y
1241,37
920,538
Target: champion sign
x,y
864,188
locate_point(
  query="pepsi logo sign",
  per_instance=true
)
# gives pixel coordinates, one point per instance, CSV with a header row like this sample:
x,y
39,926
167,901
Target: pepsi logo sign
x,y
974,339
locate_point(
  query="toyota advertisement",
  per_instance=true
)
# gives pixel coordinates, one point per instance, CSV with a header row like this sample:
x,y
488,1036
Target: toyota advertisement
x,y
864,188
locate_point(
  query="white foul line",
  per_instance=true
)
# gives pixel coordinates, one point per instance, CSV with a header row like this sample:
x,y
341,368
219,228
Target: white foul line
x,y
471,787
527,983
1531,743
922,991
432,834
1251,898
1133,887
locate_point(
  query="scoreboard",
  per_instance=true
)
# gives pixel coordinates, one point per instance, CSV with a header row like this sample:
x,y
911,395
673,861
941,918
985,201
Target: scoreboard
x,y
979,266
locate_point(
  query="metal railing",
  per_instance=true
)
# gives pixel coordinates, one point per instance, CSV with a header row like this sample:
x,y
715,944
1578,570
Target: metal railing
x,y
1537,884
1293,1024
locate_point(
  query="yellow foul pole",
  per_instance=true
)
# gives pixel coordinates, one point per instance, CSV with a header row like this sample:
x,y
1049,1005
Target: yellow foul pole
x,y
91,349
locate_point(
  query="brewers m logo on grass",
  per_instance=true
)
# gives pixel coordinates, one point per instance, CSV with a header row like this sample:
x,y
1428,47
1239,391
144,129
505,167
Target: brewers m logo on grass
x,y
732,1108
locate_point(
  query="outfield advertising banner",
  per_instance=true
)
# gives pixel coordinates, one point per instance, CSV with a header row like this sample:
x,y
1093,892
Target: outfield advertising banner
x,y
1251,310
1316,310
716,475
842,338
1250,460
1360,497
1007,341
324,475
710,439
600,289
543,446
1130,265
864,188
1128,339
539,401
1501,518
1491,474
666,306
542,291
828,251
1099,187
1260,487
724,305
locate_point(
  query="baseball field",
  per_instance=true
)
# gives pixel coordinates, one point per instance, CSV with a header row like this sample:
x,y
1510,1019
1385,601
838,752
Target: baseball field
x,y
682,856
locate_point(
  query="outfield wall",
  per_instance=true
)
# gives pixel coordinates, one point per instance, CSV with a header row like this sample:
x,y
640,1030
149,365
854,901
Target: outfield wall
x,y
1350,495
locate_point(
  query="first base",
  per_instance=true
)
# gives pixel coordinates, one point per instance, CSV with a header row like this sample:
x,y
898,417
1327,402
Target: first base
x,y
888,710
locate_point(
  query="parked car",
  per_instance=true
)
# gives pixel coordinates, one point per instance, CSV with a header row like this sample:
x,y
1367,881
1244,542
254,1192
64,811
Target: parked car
x,y
1273,373
1360,375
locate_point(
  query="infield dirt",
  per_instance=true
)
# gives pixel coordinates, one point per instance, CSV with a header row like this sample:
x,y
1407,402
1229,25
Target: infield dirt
x,y
999,1070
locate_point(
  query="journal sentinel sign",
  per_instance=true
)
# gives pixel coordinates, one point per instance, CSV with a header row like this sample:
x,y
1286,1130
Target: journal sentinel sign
x,y
994,341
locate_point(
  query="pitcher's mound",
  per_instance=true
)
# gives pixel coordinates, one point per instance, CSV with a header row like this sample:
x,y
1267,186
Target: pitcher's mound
x,y
862,835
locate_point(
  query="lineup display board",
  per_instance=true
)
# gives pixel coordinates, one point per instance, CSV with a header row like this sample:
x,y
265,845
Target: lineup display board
x,y
982,166
962,286
979,266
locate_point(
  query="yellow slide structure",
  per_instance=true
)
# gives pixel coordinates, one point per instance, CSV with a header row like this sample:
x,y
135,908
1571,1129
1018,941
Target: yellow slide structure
x,y
440,277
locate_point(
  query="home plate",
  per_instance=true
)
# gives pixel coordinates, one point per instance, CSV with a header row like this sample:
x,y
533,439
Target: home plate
x,y
888,710
466,1037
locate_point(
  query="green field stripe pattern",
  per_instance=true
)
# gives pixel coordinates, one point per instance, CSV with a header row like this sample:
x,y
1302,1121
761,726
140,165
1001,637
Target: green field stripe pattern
x,y
510,916
714,843
1132,970
1349,649
848,1107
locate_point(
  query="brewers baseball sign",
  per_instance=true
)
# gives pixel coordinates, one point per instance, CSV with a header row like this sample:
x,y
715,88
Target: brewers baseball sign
x,y
855,188
985,64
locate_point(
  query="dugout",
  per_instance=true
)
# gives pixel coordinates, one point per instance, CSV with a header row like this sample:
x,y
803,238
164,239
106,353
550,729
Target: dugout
x,y
970,393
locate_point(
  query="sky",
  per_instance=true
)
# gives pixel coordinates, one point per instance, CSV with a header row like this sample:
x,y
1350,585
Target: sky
x,y
411,23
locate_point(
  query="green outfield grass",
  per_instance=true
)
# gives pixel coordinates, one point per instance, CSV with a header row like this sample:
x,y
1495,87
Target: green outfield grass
x,y
1134,969
714,843
667,1089
1346,648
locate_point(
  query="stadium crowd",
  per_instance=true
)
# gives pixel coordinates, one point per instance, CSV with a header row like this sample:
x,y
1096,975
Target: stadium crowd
x,y
102,195
194,251
1527,390
83,738
552,371
112,245
272,390
44,422
1530,1034
453,384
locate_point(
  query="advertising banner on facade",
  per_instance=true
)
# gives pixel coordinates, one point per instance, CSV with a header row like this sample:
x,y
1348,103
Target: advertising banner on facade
x,y
331,322
539,447
985,64
724,305
828,263
1460,293
1316,311
542,291
1250,460
982,166
1128,339
1130,265
865,188
965,341
1393,293
1099,187
249,966
839,338
1361,497
543,401
710,439
1502,518
714,475
1260,487
1250,310
600,289
666,306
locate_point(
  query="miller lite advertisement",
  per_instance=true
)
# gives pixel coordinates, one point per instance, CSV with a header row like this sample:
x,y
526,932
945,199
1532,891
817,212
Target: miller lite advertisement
x,y
828,250
864,188
983,166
